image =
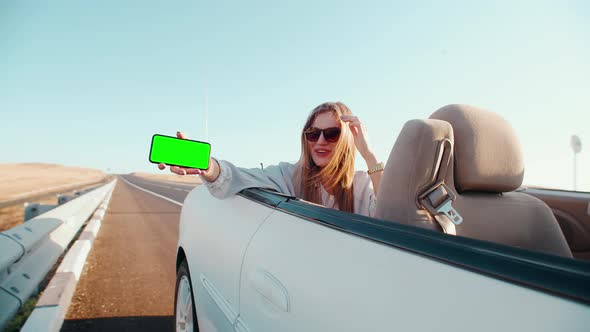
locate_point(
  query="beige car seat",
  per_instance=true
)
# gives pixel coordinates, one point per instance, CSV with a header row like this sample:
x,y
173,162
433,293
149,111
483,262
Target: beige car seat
x,y
456,173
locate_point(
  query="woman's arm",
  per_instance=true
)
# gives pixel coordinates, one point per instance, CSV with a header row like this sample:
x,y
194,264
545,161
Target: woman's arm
x,y
361,142
371,161
223,179
233,179
212,173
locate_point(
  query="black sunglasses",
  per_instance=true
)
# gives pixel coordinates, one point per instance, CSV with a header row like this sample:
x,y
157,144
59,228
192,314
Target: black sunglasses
x,y
330,134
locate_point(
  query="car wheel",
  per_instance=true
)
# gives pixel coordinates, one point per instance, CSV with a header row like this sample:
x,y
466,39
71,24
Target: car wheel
x,y
185,316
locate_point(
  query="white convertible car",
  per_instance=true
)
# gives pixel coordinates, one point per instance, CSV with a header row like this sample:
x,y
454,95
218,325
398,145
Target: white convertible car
x,y
457,245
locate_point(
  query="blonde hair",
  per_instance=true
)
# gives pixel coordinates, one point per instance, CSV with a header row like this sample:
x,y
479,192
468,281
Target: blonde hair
x,y
337,175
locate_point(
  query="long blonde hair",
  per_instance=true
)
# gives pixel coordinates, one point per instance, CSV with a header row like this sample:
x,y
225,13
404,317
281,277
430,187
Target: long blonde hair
x,y
337,175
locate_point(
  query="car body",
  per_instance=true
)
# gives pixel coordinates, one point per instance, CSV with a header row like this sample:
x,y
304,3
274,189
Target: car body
x,y
263,261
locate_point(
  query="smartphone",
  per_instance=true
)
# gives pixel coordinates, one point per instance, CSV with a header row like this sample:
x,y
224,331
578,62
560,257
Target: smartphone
x,y
175,151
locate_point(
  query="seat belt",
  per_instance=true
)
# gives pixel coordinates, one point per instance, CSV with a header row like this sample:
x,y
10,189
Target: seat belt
x,y
438,198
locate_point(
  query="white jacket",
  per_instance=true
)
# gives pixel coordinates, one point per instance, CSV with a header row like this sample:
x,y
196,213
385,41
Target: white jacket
x,y
279,177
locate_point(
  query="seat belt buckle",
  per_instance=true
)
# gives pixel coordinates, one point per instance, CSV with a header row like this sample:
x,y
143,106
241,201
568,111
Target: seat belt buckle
x,y
438,199
448,210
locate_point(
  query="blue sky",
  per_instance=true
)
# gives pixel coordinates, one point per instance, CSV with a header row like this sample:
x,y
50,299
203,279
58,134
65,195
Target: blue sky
x,y
87,83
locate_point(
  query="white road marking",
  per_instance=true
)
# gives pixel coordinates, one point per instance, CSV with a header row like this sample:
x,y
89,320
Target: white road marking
x,y
178,184
173,186
161,186
151,192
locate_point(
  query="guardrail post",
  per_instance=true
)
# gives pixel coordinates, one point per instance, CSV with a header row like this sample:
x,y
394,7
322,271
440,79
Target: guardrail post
x,y
63,198
33,210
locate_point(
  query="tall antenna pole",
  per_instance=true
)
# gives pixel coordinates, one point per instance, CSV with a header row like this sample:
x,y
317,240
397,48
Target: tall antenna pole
x,y
206,113
575,172
576,145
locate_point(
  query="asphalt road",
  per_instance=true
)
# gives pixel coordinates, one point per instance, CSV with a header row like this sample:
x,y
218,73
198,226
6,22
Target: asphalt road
x,y
128,280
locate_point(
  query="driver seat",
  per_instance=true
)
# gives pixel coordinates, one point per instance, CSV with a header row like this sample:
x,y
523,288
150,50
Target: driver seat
x,y
456,173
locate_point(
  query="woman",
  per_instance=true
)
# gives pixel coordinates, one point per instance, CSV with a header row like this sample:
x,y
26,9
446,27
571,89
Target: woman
x,y
324,173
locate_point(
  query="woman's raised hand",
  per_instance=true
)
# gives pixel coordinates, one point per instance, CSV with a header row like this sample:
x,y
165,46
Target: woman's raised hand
x,y
359,132
183,170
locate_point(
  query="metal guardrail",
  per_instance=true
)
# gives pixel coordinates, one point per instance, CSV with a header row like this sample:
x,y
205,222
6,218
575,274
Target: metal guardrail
x,y
33,210
29,251
51,191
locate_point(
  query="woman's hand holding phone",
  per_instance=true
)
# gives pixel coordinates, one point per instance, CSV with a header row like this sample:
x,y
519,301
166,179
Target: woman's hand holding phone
x,y
209,174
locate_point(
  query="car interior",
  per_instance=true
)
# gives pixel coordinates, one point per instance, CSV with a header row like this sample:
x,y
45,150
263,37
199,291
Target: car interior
x,y
466,168
572,211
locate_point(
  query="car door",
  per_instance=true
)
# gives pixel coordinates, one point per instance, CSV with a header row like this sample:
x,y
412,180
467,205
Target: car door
x,y
300,276
214,235
307,270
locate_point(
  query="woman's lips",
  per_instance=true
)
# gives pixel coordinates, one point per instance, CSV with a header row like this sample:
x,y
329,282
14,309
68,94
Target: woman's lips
x,y
322,152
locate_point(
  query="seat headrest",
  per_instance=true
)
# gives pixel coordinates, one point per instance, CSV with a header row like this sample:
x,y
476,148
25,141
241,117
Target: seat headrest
x,y
487,152
409,170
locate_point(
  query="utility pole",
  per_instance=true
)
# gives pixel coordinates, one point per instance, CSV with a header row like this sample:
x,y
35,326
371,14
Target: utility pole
x,y
206,113
576,145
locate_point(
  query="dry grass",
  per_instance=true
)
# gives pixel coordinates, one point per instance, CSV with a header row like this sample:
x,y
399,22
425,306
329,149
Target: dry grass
x,y
30,179
170,177
38,183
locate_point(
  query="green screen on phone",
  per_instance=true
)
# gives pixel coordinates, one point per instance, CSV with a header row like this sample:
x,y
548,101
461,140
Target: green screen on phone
x,y
180,152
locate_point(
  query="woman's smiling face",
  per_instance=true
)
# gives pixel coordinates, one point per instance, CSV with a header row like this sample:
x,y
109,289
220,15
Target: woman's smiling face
x,y
322,150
